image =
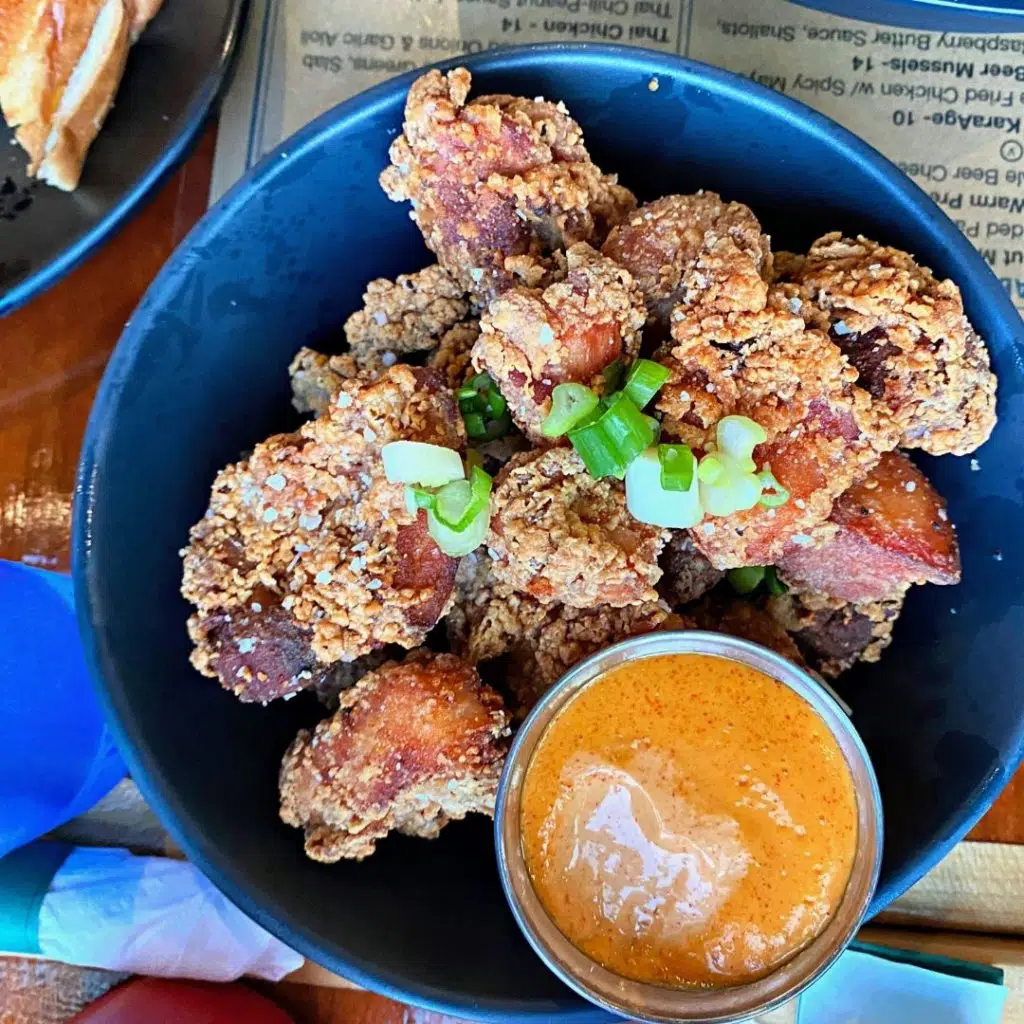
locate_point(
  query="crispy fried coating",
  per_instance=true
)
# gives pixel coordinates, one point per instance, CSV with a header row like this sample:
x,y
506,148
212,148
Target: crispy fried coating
x,y
497,184
541,641
409,314
452,355
823,431
834,635
412,746
684,249
316,379
561,536
885,534
532,340
747,620
307,555
688,575
908,337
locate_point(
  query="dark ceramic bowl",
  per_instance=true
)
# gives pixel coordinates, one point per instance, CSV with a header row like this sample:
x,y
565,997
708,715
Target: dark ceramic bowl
x,y
200,374
174,75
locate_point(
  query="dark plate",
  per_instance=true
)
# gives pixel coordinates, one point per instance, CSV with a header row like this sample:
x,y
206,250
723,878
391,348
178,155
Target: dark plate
x,y
174,74
200,375
933,15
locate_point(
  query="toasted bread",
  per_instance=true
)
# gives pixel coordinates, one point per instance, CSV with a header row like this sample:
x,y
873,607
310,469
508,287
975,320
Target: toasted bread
x,y
60,65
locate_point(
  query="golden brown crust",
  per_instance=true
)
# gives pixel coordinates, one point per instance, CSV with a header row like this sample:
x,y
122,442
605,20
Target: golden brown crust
x,y
497,184
532,340
542,641
316,379
559,535
311,518
834,635
412,746
907,335
409,314
452,357
823,431
682,249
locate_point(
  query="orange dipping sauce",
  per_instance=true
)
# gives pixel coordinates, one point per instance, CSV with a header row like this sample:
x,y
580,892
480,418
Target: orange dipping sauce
x,y
688,821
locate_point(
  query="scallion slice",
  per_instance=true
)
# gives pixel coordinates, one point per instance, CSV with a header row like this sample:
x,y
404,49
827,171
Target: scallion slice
x,y
414,462
417,498
628,429
773,494
475,424
644,381
457,543
458,503
747,579
571,404
613,376
677,466
772,582
738,436
649,502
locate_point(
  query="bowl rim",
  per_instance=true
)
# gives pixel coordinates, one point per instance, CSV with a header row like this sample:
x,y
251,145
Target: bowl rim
x,y
99,658
652,1001
191,121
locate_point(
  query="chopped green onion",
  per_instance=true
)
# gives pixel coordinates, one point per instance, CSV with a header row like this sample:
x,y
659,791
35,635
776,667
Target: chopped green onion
x,y
677,467
571,404
452,503
457,543
611,442
747,579
481,382
628,429
645,380
738,436
496,404
414,462
498,427
649,502
475,425
467,393
613,376
655,425
711,469
772,582
773,494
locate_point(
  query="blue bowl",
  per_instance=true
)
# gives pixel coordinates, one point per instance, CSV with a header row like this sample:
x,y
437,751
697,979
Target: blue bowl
x,y
200,374
969,16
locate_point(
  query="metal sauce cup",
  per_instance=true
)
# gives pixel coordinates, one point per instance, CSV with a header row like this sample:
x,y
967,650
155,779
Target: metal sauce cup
x,y
644,1001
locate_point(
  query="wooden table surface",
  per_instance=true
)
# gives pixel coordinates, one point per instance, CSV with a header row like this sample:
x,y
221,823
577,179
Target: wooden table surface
x,y
52,355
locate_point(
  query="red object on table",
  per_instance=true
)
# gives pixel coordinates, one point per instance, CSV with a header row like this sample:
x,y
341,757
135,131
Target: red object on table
x,y
158,1001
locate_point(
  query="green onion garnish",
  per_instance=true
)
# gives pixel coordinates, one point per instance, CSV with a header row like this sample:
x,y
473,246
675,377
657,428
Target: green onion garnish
x,y
475,425
677,466
496,404
458,503
571,404
773,494
710,469
609,444
772,582
613,376
747,579
645,380
466,392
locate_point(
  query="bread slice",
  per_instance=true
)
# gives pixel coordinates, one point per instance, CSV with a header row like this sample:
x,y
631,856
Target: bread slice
x,y
61,62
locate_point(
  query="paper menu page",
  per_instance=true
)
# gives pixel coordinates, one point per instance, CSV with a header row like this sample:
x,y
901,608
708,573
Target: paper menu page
x,y
947,107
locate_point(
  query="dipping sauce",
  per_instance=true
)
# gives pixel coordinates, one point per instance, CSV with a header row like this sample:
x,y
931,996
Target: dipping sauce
x,y
688,820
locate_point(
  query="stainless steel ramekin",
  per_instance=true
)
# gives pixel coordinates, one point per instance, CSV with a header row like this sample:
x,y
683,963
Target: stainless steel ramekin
x,y
648,1002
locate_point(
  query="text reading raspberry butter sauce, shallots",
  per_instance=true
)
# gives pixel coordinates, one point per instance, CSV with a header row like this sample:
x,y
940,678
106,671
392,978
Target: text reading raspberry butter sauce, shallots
x,y
688,821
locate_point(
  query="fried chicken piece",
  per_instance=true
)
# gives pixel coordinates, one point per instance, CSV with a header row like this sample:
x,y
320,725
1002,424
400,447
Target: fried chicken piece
x,y
885,534
559,535
497,184
746,620
687,574
412,746
532,340
452,355
681,249
834,635
316,379
307,555
541,641
908,337
823,431
409,314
